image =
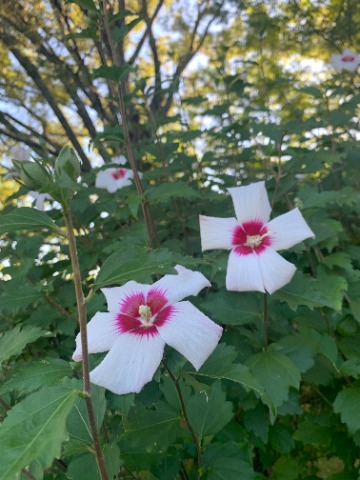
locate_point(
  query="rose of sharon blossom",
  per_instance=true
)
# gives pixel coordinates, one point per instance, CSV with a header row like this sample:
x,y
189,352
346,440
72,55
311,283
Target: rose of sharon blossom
x,y
254,263
114,178
348,60
140,321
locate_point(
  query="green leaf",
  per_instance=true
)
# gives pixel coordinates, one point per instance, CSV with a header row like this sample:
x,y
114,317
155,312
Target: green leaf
x,y
286,468
339,259
13,341
299,348
87,463
281,438
25,219
313,91
220,365
276,373
209,412
112,72
90,32
164,191
311,431
168,468
39,373
327,290
88,4
137,264
34,430
224,462
311,198
256,420
119,33
233,308
151,429
347,405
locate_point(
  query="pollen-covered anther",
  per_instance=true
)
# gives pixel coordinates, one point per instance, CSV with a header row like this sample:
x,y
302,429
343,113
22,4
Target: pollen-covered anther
x,y
255,240
145,315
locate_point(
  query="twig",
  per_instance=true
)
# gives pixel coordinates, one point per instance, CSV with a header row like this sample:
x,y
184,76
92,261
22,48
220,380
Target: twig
x,y
27,472
264,324
59,307
4,404
185,415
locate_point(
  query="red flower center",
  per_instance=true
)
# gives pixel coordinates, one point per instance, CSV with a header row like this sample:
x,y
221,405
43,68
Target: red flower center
x,y
251,237
347,58
118,173
141,314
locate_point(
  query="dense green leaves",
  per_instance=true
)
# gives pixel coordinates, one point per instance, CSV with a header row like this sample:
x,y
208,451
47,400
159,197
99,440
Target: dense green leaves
x,y
280,404
34,430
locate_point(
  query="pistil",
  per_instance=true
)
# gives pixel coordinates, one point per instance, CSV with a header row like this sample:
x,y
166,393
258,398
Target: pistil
x,y
253,241
145,315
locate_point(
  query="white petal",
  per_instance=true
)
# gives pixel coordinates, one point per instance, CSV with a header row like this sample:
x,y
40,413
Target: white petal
x,y
123,182
288,230
40,203
191,333
119,160
275,270
216,232
336,62
177,287
131,362
40,199
115,295
20,153
105,180
251,202
244,274
101,333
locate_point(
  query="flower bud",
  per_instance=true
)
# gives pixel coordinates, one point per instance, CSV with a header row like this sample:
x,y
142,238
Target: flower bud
x,y
67,165
32,174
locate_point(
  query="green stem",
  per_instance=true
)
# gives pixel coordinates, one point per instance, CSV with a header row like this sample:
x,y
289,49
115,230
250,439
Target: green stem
x,y
264,324
81,305
185,415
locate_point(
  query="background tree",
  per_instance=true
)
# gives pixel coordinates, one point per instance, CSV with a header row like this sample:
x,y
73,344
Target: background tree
x,y
55,95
